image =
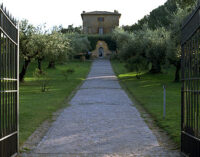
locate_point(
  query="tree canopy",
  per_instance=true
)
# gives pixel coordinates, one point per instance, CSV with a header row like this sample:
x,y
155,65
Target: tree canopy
x,y
155,39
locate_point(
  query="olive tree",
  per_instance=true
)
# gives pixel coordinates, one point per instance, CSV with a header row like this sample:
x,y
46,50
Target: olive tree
x,y
39,42
156,49
174,40
57,48
27,52
121,37
132,48
79,44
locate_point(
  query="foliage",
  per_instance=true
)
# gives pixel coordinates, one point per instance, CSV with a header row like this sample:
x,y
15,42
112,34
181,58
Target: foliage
x,y
27,52
155,38
159,17
162,16
71,29
26,32
57,48
37,106
137,64
147,46
114,56
78,44
156,51
68,72
186,3
42,78
107,38
39,44
173,42
121,37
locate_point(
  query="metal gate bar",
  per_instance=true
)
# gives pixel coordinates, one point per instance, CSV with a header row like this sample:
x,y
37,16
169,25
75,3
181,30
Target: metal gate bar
x,y
190,92
9,85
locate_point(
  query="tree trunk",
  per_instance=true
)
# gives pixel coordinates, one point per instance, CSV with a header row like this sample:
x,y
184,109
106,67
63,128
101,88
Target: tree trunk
x,y
51,65
177,73
40,64
24,69
156,68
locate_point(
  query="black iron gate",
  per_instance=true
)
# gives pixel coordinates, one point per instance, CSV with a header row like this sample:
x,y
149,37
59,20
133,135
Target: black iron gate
x,y
190,122
9,85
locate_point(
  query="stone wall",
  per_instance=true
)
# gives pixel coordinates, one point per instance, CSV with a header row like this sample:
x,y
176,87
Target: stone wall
x,y
103,44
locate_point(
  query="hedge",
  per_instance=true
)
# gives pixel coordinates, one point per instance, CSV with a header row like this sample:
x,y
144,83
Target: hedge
x,y
107,38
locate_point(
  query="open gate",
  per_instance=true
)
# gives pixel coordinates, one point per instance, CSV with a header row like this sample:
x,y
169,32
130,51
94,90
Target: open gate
x,y
9,85
190,112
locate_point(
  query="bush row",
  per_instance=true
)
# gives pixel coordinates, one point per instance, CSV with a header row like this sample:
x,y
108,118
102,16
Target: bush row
x,y
149,48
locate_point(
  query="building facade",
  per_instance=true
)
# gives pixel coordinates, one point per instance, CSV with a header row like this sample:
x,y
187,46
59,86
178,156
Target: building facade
x,y
100,22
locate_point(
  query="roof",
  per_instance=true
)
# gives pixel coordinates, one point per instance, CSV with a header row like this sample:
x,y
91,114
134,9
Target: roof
x,y
101,13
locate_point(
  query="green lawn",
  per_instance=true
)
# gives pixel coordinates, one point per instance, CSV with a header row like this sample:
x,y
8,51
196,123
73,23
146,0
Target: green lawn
x,y
37,106
148,91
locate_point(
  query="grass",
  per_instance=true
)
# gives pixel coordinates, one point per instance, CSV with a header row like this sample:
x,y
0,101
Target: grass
x,y
37,106
148,92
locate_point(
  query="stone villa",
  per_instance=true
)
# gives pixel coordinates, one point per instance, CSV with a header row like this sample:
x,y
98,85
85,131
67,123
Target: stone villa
x,y
100,22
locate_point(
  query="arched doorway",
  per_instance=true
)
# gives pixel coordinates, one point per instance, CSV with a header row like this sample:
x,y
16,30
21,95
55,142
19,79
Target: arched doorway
x,y
101,52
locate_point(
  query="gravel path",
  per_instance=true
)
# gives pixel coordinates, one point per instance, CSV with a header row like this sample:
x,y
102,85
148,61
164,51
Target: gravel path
x,y
101,121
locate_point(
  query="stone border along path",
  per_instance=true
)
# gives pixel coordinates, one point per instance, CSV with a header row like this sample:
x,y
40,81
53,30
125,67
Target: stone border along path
x,y
100,122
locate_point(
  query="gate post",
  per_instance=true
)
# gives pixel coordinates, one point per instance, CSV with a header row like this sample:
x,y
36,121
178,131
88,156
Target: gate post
x,y
18,88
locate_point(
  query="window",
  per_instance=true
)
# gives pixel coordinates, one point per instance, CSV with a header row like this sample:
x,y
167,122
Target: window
x,y
100,30
100,19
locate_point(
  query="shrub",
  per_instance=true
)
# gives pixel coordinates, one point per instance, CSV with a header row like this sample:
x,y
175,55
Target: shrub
x,y
114,56
42,78
67,72
137,64
80,45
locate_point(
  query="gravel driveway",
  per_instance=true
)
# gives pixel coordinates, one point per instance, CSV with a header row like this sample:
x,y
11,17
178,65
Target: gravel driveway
x,y
101,121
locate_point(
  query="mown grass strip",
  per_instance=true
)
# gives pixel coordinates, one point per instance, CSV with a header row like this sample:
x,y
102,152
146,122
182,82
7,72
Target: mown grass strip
x,y
37,106
148,91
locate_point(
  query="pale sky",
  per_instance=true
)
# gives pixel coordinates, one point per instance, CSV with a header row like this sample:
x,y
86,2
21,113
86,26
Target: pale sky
x,y
66,12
